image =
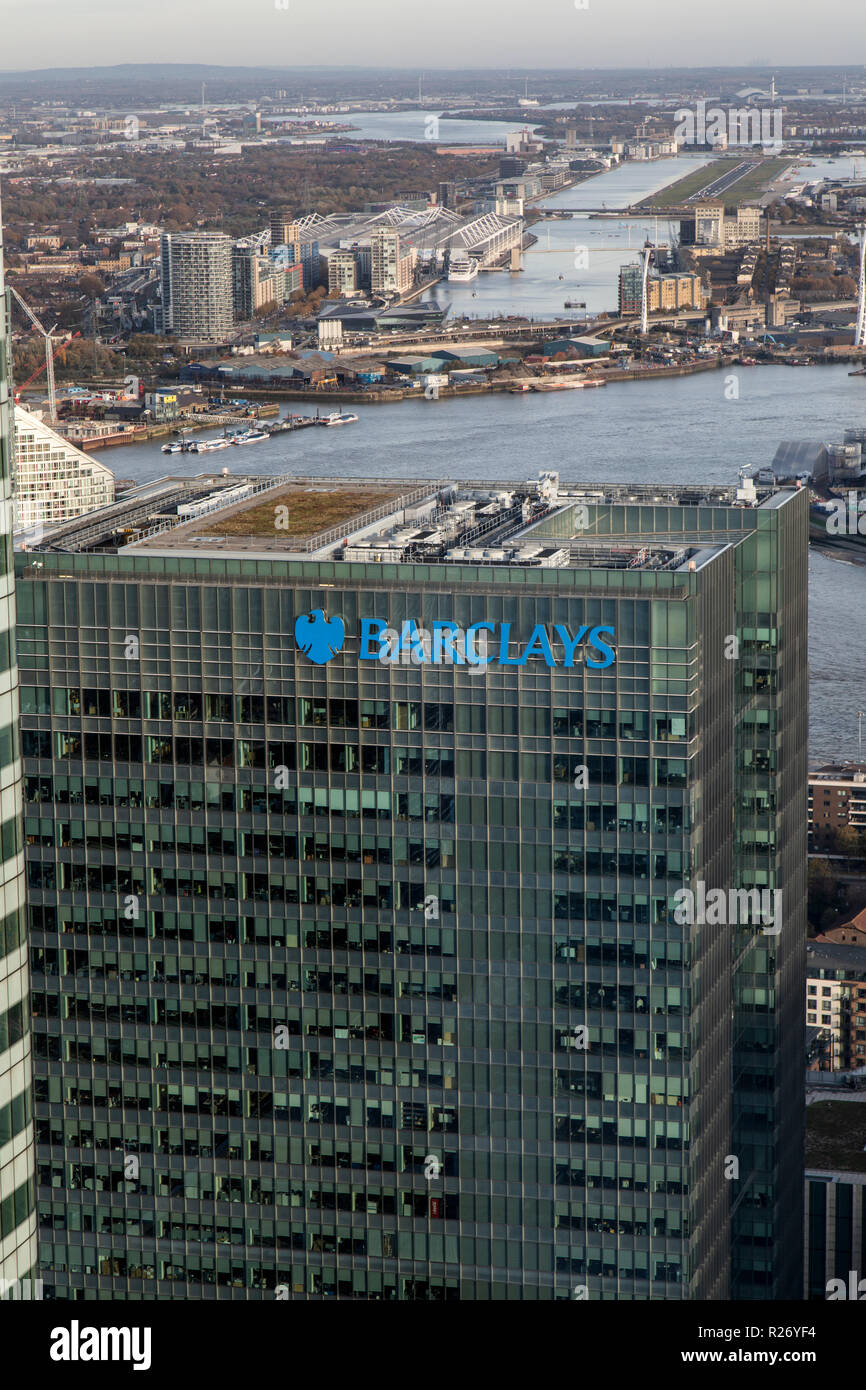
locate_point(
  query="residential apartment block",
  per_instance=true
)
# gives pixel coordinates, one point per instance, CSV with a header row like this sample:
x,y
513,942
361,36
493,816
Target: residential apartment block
x,y
54,480
836,995
196,280
343,272
667,291
392,270
258,279
837,802
743,229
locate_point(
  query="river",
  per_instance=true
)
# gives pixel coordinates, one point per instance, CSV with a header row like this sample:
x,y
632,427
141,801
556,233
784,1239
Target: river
x,y
680,429
677,429
414,125
578,259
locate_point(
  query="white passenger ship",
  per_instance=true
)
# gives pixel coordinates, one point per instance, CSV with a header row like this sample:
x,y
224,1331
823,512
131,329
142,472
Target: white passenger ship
x,y
462,267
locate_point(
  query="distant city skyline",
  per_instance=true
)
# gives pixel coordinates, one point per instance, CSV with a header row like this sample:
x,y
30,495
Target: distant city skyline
x,y
383,33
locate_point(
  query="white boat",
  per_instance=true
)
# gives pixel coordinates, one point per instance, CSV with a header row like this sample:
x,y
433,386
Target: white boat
x,y
176,448
253,437
335,418
462,267
208,445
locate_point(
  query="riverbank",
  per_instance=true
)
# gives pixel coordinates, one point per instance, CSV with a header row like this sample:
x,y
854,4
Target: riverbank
x,y
397,394
849,550
142,434
267,397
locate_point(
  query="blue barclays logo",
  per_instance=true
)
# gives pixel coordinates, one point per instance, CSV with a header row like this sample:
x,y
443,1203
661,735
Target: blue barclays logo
x,y
447,644
450,645
482,644
318,637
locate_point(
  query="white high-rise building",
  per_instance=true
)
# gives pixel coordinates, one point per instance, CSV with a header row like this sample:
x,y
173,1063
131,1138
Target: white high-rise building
x,y
196,277
391,269
18,1260
342,272
54,481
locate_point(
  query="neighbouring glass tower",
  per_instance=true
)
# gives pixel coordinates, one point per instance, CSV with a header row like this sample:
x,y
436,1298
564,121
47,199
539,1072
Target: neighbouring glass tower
x,y
17,1155
357,971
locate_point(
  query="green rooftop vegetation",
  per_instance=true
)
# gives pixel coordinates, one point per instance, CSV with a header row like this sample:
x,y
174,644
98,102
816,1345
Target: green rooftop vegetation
x,y
836,1135
310,510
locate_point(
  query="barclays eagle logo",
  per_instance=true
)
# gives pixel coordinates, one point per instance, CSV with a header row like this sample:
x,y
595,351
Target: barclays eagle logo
x,y
319,637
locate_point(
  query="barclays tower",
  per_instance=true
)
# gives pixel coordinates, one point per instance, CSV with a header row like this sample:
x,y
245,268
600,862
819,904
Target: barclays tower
x,y
353,859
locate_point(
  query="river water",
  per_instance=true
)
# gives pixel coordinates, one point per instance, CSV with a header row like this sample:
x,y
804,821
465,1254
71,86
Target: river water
x,y
578,259
415,125
681,429
678,429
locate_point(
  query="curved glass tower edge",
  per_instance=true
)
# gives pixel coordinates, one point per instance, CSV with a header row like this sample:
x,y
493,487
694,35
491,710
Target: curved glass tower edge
x,y
17,1153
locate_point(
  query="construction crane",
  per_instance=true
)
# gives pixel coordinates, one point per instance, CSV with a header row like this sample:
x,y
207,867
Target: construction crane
x,y
58,352
49,355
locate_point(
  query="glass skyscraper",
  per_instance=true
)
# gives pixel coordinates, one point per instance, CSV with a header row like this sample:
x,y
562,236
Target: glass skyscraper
x,y
362,978
769,752
17,1157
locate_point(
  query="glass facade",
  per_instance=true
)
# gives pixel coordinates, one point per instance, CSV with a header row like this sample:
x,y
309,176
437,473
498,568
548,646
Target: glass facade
x,y
770,749
17,1155
835,1230
364,980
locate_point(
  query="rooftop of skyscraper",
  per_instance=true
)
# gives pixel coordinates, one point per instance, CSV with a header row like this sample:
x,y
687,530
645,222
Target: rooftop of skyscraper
x,y
836,1129
541,523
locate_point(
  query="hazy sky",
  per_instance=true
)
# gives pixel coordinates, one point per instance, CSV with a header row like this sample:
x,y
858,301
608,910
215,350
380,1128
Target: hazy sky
x,y
432,33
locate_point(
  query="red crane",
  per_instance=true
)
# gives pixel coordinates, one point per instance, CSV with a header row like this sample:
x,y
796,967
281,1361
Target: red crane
x,y
58,351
